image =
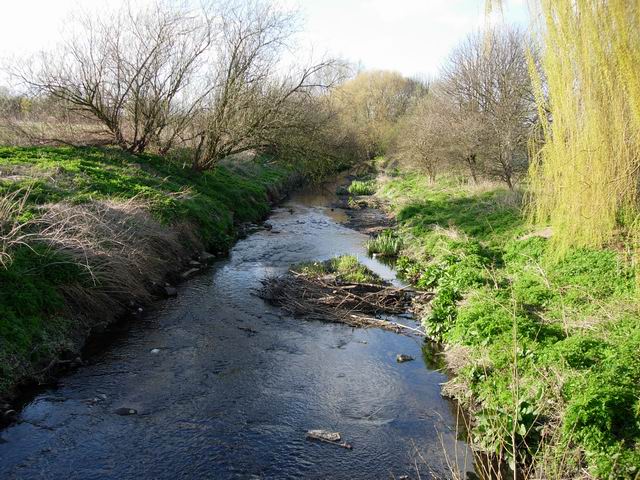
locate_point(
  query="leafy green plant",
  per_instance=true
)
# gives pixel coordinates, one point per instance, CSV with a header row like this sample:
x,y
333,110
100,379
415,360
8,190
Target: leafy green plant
x,y
359,187
511,433
386,244
560,335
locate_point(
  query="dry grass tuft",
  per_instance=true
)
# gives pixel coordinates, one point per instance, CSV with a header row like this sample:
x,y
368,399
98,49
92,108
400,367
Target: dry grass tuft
x,y
13,230
124,250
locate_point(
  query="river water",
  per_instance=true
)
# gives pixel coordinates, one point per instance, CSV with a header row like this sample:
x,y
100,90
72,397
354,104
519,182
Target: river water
x,y
236,384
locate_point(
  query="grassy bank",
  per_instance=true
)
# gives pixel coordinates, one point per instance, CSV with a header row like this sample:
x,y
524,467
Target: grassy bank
x,y
89,233
544,354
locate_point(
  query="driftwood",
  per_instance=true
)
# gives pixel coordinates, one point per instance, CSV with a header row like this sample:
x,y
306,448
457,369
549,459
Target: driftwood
x,y
328,299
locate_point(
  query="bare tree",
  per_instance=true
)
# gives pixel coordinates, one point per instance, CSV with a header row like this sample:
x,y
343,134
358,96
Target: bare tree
x,y
130,71
423,139
253,103
487,79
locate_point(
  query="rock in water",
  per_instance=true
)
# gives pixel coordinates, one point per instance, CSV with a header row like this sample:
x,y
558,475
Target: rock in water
x,y
324,435
401,358
170,292
207,257
126,411
190,272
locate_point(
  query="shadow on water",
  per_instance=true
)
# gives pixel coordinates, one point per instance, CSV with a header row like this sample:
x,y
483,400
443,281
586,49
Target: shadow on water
x,y
222,385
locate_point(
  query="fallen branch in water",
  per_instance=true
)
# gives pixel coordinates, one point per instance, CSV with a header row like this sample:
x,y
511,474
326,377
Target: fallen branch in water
x,y
328,299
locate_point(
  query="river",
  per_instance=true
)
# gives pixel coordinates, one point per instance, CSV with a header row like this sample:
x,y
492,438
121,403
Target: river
x,y
225,386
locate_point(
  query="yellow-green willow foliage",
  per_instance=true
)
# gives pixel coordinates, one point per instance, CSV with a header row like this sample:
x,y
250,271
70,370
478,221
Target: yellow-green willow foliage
x,y
585,178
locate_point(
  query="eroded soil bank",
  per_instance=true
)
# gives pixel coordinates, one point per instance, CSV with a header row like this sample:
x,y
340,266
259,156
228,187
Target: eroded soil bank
x,y
222,385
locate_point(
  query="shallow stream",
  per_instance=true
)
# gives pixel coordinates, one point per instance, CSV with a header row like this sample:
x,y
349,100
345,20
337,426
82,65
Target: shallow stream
x,y
235,384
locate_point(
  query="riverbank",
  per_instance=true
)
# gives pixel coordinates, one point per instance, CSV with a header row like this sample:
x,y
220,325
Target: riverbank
x,y
543,352
91,235
225,385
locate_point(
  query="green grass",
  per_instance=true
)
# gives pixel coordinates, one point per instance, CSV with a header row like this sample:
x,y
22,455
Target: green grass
x,y
345,268
360,187
34,321
385,244
551,346
212,200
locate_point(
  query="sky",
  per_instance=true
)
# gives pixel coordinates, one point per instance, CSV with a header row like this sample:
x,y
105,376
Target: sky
x,y
413,37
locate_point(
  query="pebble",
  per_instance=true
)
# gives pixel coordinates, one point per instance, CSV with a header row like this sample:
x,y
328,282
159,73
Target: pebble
x,y
155,350
124,411
401,358
207,257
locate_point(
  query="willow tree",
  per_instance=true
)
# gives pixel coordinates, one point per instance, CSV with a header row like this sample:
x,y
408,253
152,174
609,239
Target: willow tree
x,y
373,102
586,175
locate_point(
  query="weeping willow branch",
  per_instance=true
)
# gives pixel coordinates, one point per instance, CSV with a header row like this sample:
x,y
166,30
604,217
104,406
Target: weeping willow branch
x,y
585,176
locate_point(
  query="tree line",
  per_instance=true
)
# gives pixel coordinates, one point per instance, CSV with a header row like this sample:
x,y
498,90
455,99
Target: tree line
x,y
214,80
220,80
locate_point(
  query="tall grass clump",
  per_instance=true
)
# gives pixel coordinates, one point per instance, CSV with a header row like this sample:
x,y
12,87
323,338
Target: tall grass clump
x,y
386,244
584,178
359,187
12,224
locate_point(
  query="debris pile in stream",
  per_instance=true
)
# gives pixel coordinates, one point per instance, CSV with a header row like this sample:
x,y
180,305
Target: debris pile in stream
x,y
326,296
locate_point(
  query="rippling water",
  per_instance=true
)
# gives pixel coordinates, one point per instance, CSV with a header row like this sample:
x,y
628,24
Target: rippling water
x,y
236,384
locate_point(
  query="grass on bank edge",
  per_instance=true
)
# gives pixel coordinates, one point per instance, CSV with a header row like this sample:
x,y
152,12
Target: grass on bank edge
x,y
34,323
545,354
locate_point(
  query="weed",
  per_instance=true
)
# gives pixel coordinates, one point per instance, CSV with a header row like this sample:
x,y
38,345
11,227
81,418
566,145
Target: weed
x,y
386,244
359,187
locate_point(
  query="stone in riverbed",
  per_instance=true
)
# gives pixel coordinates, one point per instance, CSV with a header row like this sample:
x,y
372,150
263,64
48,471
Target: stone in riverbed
x,y
324,435
207,257
170,291
401,358
190,272
124,411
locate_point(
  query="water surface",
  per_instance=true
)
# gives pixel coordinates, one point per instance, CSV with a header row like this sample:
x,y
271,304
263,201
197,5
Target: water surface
x,y
236,383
